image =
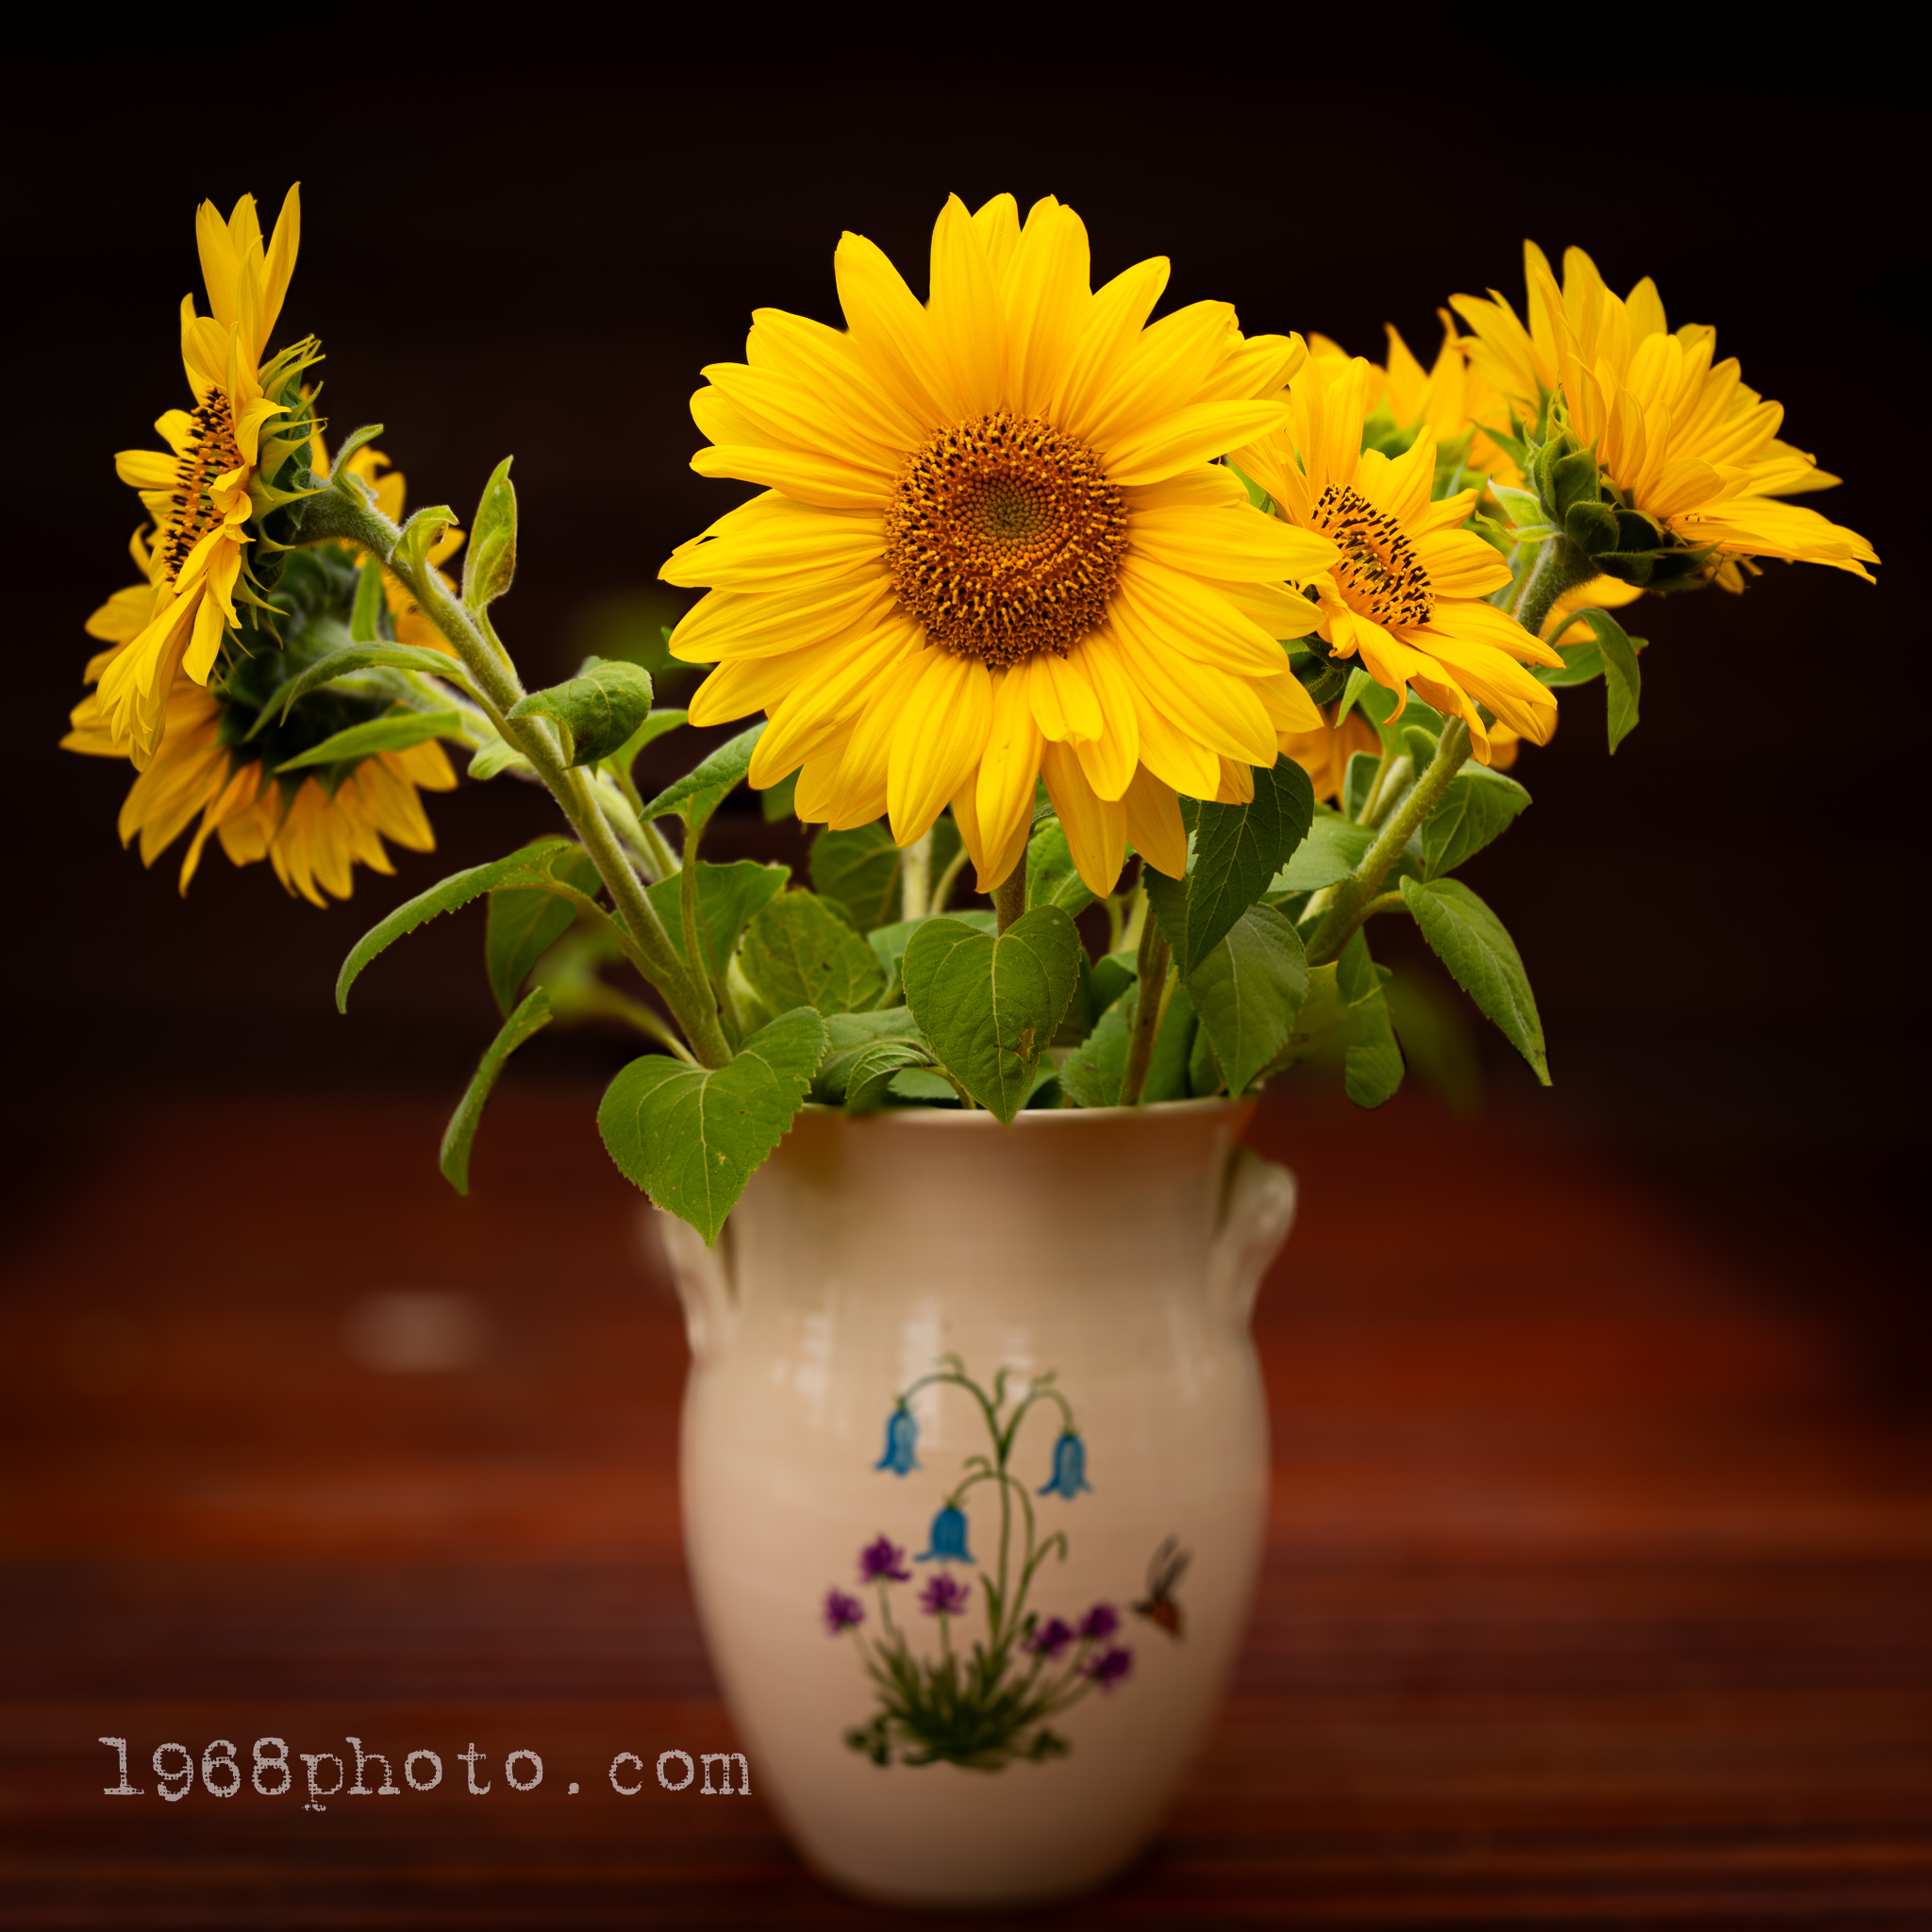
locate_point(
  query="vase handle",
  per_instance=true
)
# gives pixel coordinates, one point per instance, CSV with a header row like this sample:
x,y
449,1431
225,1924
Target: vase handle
x,y
703,1279
1257,1211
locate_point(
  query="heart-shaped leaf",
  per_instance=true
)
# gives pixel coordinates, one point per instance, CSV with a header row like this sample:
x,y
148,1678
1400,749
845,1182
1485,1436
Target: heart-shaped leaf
x,y
1247,992
990,1005
691,1137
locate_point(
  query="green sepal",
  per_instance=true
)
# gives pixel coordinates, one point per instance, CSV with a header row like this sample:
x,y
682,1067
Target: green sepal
x,y
1470,940
702,788
395,731
490,561
798,951
596,711
531,867
691,1137
523,926
454,1160
989,1004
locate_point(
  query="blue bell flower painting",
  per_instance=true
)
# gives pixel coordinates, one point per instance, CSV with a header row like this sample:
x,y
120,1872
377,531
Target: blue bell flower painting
x,y
902,1439
1068,1475
948,1538
993,1705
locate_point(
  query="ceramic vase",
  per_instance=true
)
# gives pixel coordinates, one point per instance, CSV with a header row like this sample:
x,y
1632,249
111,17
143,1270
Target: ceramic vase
x,y
975,1471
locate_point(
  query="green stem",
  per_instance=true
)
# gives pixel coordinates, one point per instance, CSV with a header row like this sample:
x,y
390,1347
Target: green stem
x,y
496,682
943,892
915,878
1149,1011
1560,566
1347,911
1009,896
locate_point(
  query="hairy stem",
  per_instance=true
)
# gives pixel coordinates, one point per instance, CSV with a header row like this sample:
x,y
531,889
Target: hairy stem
x,y
915,878
496,682
1009,896
1560,566
1346,911
1150,1008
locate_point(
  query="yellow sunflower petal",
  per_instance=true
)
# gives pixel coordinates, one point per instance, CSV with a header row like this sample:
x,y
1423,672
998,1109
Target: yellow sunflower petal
x,y
1155,828
1096,829
936,741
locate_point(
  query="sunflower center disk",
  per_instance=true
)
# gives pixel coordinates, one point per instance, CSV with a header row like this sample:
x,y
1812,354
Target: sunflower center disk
x,y
212,452
1005,539
1381,573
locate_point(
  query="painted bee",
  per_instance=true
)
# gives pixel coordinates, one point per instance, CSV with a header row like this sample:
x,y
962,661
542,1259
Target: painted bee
x,y
1165,1570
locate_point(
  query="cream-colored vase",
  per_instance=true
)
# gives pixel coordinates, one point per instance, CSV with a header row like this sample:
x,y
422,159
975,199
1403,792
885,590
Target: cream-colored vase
x,y
1115,1252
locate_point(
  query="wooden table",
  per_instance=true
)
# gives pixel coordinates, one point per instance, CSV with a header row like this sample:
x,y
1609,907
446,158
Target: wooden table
x,y
1599,1588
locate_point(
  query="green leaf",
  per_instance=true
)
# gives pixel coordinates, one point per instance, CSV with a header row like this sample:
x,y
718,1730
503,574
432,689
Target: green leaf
x,y
1167,1066
351,658
1051,876
596,711
1469,939
991,1003
1112,973
1204,1070
691,1137
421,535
1238,851
859,871
775,802
1479,805
889,941
704,787
799,953
1090,1074
1358,781
530,866
1332,850
490,561
1247,992
727,897
1358,681
847,1035
366,613
1622,678
395,730
497,758
874,1070
531,1017
523,926
619,762
1372,1061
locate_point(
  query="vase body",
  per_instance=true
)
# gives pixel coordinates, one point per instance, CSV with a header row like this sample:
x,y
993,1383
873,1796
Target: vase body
x,y
848,1338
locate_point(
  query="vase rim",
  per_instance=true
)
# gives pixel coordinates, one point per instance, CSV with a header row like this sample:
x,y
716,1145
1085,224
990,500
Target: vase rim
x,y
980,1120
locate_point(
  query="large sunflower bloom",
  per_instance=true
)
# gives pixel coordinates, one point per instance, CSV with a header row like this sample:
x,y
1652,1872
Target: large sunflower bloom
x,y
198,491
993,546
1407,594
1678,434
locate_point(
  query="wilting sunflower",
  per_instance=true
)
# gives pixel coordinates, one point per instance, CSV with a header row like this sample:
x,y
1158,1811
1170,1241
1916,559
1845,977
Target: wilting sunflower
x,y
313,824
212,478
1677,435
1407,592
995,545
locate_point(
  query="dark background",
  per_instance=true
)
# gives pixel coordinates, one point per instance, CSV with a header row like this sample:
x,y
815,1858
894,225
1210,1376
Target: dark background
x,y
1714,921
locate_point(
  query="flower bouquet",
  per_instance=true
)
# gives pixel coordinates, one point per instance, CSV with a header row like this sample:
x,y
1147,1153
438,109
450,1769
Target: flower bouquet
x,y
1187,655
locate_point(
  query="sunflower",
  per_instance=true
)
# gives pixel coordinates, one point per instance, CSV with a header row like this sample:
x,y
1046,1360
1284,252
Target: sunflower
x,y
1407,592
204,490
1449,397
993,546
312,825
1676,435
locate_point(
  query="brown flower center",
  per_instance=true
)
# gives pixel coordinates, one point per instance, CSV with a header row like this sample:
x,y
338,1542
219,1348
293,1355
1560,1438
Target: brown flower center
x,y
1381,573
1005,539
212,453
